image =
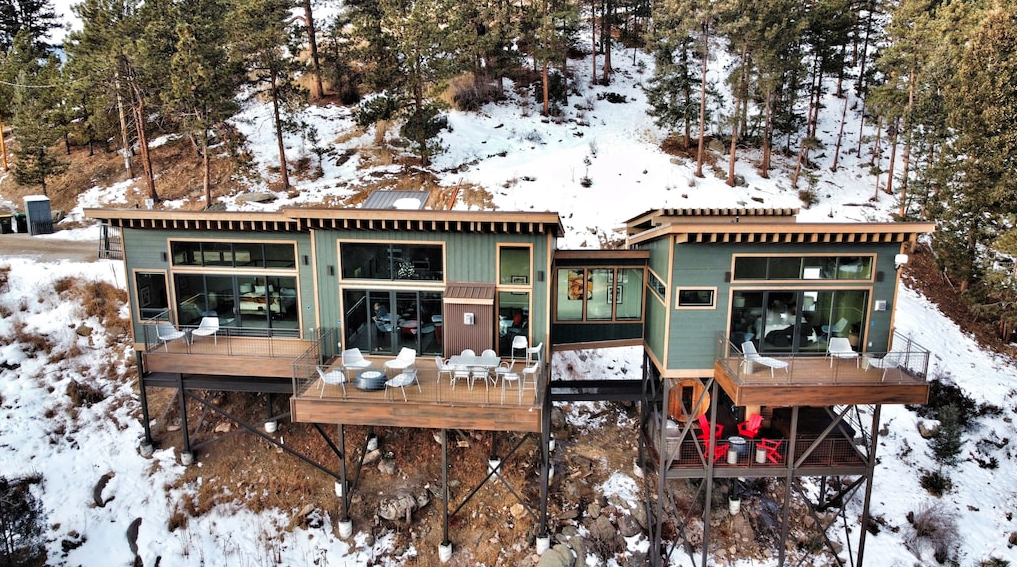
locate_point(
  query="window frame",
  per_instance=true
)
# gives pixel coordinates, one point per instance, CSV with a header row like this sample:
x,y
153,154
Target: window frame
x,y
692,306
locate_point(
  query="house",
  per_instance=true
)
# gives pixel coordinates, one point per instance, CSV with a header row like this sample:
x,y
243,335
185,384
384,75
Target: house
x,y
262,302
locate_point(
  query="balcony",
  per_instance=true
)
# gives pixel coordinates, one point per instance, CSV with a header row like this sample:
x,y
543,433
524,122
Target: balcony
x,y
433,401
818,380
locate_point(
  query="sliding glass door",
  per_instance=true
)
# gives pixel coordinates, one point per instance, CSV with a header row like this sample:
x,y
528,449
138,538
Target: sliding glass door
x,y
797,321
383,321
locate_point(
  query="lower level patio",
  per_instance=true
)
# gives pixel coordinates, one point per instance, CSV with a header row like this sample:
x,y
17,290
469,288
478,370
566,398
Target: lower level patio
x,y
430,400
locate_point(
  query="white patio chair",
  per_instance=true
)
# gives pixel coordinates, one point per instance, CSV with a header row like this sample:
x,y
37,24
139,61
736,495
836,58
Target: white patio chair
x,y
406,358
444,368
166,332
353,359
332,377
835,329
752,356
840,347
209,327
511,378
528,379
401,380
890,360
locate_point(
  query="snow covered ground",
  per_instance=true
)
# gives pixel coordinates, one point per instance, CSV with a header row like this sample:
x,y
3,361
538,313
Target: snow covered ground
x,y
527,164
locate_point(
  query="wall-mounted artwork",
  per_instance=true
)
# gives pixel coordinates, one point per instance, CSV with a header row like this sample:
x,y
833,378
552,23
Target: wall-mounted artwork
x,y
614,293
578,285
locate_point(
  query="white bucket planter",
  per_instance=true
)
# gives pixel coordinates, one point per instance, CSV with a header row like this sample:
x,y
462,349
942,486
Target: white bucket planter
x,y
372,443
445,552
146,450
186,458
734,505
339,488
493,465
543,544
271,426
550,445
345,529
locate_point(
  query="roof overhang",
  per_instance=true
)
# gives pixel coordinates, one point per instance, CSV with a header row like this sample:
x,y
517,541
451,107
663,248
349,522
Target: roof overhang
x,y
301,219
469,293
787,233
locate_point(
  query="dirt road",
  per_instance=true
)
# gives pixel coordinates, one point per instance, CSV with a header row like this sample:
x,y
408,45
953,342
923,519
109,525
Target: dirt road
x,y
48,248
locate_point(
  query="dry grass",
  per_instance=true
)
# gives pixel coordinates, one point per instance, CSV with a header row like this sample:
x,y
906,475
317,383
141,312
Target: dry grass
x,y
99,299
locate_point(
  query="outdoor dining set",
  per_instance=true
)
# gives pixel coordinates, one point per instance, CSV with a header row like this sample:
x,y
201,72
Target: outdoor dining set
x,y
518,374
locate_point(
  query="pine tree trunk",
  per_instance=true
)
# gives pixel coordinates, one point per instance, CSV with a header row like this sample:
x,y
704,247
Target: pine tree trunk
x,y
206,170
606,21
123,131
764,164
840,135
906,157
701,154
146,157
3,147
875,147
284,177
593,39
317,91
893,157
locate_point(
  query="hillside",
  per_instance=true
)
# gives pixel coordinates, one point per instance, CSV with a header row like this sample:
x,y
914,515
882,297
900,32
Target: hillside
x,y
505,156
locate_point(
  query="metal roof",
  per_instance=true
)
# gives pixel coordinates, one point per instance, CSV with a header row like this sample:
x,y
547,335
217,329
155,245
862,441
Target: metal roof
x,y
396,199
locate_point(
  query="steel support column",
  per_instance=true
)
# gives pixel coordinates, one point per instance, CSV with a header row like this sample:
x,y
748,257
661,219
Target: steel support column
x,y
870,472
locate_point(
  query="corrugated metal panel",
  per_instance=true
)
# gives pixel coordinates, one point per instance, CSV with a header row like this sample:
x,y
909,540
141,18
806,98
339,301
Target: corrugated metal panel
x,y
396,199
470,293
459,335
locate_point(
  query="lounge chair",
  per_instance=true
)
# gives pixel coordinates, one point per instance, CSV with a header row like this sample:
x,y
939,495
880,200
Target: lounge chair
x,y
209,327
840,347
167,332
890,360
331,377
353,359
753,356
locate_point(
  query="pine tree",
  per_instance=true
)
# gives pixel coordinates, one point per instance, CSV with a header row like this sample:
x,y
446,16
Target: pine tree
x,y
105,58
202,79
976,165
22,523
36,17
261,41
35,104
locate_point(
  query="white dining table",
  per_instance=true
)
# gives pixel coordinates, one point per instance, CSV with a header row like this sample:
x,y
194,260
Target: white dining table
x,y
475,360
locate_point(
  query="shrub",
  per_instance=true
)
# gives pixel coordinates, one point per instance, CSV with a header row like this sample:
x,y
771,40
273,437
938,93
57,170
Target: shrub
x,y
935,526
936,483
946,445
993,562
21,523
381,107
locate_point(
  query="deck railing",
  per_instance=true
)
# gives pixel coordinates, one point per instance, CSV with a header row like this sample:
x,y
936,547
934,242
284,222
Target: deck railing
x,y
227,341
802,368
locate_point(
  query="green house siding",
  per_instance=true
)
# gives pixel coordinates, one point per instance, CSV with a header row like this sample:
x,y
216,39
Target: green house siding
x,y
691,342
469,257
145,250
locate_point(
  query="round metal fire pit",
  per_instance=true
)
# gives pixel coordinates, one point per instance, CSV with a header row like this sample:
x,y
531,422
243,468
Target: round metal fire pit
x,y
370,380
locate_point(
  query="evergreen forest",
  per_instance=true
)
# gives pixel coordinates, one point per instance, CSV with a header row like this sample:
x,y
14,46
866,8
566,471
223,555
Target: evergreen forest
x,y
938,79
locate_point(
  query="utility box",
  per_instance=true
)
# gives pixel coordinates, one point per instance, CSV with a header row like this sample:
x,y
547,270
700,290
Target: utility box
x,y
39,216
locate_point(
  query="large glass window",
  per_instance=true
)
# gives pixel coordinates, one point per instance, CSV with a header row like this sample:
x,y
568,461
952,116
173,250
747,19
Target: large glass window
x,y
797,321
233,254
599,294
153,296
253,302
803,268
514,265
391,261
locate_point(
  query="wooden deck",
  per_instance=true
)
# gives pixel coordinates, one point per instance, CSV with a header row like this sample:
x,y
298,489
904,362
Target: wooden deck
x,y
813,381
228,356
429,404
